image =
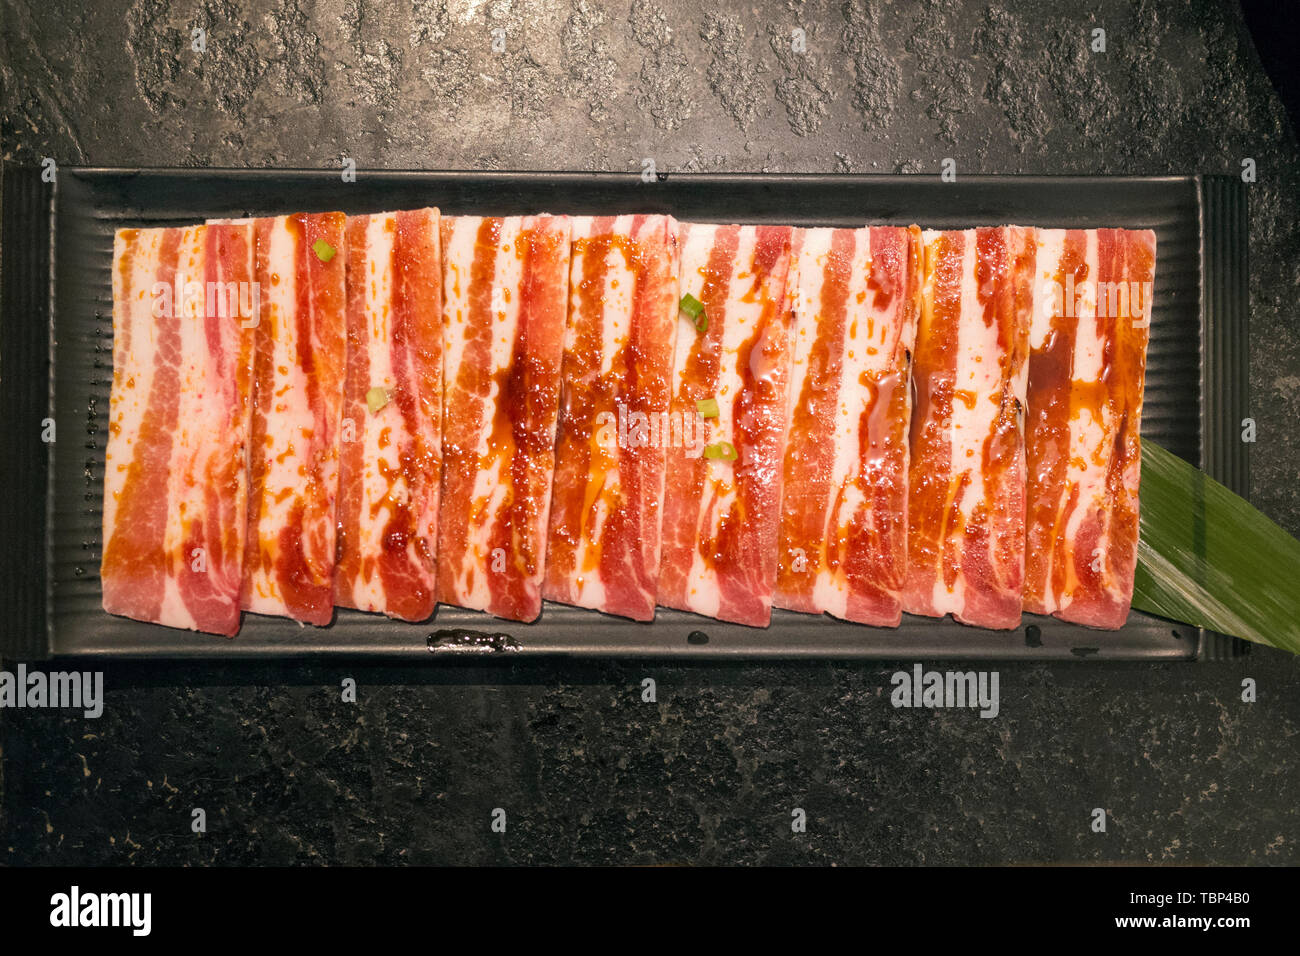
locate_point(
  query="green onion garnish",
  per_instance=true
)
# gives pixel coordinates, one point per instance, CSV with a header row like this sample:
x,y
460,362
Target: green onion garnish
x,y
723,450
707,407
377,397
693,308
324,251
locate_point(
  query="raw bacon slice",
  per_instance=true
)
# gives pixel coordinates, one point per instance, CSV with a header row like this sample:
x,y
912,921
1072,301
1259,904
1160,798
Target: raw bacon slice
x,y
1086,371
298,376
175,482
844,512
505,295
391,457
966,494
604,541
722,514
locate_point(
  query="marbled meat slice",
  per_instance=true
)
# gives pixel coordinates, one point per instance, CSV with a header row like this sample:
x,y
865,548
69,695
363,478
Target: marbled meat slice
x,y
175,475
966,490
299,369
505,298
844,511
606,507
1087,367
390,467
731,377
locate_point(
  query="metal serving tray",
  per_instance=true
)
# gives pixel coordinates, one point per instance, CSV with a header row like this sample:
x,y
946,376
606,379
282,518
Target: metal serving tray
x,y
56,363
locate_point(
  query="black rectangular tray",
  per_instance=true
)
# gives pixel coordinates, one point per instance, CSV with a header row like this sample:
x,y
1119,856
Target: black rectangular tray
x,y
56,363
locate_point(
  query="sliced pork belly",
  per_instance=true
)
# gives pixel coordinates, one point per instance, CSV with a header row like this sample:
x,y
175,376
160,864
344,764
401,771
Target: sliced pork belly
x,y
505,297
298,377
843,544
175,480
966,494
1086,372
391,452
722,502
604,542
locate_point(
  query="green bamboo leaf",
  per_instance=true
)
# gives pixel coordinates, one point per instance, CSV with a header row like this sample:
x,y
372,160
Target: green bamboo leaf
x,y
1208,558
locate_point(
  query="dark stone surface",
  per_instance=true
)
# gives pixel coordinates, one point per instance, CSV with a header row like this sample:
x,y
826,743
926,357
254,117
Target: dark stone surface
x,y
288,773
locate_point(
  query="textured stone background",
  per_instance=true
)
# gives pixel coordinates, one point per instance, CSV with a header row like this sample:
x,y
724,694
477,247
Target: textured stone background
x,y
588,773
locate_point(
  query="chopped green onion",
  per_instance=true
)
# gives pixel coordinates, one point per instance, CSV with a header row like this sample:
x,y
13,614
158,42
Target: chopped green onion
x,y
324,251
707,407
693,309
691,305
377,398
723,450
